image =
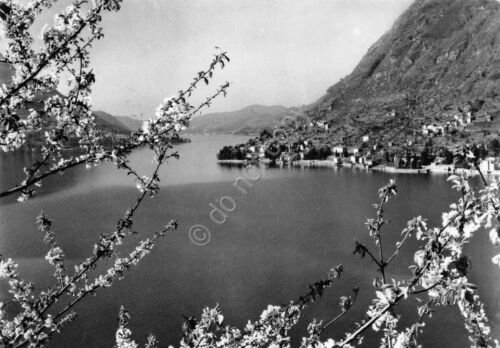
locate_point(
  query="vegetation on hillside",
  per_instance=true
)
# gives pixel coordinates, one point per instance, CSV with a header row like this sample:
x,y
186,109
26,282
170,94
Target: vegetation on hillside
x,y
438,276
430,78
439,59
439,62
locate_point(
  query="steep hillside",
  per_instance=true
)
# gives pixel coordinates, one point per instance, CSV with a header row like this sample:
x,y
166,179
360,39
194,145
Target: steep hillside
x,y
441,58
249,120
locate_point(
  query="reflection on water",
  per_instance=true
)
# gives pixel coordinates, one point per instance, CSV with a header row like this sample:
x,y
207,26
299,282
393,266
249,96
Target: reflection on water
x,y
287,231
201,167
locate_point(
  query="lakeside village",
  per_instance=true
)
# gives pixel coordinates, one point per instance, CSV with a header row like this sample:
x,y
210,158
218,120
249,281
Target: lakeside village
x,y
281,149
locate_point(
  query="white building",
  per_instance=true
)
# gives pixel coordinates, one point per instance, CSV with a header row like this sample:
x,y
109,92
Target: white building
x,y
470,118
489,165
460,119
338,150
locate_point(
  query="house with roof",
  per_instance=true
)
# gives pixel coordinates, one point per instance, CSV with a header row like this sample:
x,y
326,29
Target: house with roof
x,y
489,165
339,150
356,158
470,118
354,150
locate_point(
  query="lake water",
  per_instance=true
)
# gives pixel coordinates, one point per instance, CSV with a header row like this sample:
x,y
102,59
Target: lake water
x,y
288,229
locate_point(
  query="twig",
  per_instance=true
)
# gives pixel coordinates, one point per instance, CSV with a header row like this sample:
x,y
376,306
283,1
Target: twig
x,y
344,312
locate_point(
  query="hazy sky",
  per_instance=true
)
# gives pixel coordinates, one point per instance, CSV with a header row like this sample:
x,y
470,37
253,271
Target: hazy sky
x,y
285,52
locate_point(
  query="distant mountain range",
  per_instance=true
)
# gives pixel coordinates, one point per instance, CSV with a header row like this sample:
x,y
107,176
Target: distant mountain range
x,y
119,124
249,120
440,59
105,121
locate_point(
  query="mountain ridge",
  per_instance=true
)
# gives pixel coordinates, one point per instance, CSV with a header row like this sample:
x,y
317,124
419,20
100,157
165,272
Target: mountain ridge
x,y
439,58
120,122
248,120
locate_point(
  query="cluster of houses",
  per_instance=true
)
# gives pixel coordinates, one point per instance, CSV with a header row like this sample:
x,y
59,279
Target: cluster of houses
x,y
354,156
323,125
436,129
440,129
459,120
365,156
304,150
371,153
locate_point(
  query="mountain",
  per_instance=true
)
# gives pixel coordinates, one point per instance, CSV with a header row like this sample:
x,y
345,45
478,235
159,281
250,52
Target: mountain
x,y
105,121
249,120
441,58
131,123
116,124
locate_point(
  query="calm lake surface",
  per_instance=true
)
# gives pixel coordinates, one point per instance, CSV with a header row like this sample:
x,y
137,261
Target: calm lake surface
x,y
287,231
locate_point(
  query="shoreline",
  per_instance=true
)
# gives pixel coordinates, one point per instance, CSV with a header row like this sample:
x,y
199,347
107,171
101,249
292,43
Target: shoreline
x,y
379,168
